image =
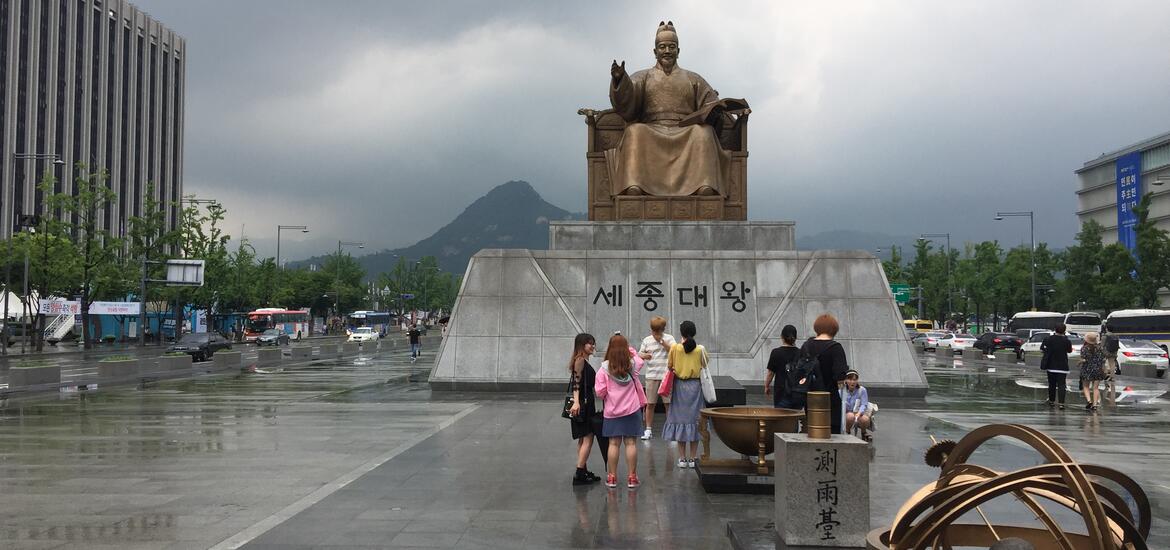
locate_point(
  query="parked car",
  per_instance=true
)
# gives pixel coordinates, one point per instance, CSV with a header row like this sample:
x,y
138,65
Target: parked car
x,y
363,334
1146,351
201,346
990,342
272,337
929,340
956,343
1032,346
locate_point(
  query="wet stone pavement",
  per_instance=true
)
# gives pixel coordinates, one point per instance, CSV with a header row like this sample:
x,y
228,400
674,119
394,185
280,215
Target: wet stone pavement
x,y
358,453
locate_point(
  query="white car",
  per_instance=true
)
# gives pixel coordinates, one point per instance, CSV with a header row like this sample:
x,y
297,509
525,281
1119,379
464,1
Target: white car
x,y
956,343
929,340
1142,351
1032,347
363,334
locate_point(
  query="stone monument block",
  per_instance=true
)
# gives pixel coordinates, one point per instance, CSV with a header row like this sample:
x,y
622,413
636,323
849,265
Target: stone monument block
x,y
822,491
738,295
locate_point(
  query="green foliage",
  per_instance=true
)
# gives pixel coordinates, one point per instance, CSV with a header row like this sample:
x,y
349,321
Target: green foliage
x,y
434,290
116,358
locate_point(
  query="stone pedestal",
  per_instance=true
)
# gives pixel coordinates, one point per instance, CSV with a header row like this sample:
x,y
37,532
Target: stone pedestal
x,y
302,352
972,354
822,491
120,370
327,350
350,348
268,356
740,282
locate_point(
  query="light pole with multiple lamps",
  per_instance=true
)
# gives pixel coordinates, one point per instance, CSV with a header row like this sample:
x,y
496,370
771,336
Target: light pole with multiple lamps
x,y
926,238
999,216
337,299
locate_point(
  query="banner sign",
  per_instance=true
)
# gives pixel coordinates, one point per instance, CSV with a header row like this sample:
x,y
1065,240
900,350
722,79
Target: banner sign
x,y
115,308
1129,192
60,307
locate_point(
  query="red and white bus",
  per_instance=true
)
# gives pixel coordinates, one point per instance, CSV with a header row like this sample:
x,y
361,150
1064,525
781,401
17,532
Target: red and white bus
x,y
294,323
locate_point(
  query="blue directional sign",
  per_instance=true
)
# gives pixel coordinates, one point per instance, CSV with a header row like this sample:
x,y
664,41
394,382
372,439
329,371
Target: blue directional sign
x,y
407,296
1129,192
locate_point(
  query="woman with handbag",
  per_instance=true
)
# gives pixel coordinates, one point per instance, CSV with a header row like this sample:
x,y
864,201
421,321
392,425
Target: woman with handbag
x,y
618,385
686,360
585,420
1092,370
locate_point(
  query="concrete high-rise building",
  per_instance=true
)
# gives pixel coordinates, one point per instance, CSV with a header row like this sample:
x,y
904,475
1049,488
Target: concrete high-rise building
x,y
95,82
1110,185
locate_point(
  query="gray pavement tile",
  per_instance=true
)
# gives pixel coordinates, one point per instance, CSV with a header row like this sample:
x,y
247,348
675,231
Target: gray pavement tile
x,y
425,540
436,526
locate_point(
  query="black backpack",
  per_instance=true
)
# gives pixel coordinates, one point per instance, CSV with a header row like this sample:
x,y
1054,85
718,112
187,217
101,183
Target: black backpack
x,y
803,375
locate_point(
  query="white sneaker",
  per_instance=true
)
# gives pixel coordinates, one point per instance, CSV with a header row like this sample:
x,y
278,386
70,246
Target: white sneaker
x,y
647,434
691,463
682,463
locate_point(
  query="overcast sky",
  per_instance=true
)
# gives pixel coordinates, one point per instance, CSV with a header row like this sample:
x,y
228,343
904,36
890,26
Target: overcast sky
x,y
380,121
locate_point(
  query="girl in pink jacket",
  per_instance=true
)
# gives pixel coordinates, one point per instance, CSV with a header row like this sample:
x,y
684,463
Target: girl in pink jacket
x,y
617,383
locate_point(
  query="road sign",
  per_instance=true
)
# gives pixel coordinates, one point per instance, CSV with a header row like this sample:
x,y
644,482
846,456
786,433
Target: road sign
x,y
407,296
901,293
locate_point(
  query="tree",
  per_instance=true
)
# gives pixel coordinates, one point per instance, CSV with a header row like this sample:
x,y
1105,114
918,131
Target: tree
x,y
1081,265
102,274
150,244
1115,287
1153,244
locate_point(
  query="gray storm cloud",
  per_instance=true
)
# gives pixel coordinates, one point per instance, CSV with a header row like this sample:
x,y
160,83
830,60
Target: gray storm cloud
x,y
380,121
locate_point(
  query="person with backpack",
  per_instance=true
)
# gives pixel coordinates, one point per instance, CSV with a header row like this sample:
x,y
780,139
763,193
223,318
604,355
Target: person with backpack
x,y
1056,348
1112,347
780,363
686,360
823,364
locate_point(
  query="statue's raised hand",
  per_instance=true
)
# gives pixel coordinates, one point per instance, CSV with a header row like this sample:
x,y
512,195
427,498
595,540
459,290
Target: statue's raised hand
x,y
617,71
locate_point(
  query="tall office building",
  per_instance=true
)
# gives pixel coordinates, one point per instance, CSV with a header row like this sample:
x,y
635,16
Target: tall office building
x,y
96,82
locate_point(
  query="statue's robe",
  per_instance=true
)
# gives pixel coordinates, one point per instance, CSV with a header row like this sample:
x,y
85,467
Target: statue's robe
x,y
656,154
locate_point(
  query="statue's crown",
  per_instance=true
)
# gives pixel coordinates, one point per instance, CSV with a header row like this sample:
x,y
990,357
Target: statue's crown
x,y
665,32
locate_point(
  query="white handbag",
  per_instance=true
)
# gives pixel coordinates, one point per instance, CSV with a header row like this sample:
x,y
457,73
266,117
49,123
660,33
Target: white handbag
x,y
706,381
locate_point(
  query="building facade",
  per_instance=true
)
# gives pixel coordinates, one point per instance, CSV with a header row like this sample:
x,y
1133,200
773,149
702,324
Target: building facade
x,y
89,86
1113,183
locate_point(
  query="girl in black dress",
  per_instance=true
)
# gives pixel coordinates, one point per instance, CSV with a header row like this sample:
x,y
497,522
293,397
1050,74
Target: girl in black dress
x,y
588,426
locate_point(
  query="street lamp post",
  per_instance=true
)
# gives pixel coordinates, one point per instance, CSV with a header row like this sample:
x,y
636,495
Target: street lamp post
x,y
8,264
279,228
926,236
999,216
432,269
337,299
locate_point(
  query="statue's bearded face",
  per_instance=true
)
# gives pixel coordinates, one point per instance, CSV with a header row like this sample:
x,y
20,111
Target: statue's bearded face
x,y
666,52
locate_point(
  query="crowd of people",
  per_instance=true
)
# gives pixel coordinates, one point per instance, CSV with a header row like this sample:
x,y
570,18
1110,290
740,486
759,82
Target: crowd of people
x,y
611,405
1098,365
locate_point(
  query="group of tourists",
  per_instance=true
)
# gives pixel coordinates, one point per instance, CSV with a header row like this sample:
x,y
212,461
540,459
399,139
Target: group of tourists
x,y
611,406
1098,364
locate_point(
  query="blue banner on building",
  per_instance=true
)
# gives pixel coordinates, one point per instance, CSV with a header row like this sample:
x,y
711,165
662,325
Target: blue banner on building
x,y
1129,192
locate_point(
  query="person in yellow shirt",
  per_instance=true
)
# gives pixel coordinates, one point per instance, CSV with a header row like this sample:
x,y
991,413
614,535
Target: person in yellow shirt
x,y
686,359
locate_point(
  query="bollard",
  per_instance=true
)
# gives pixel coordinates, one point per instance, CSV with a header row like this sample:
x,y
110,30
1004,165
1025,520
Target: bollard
x,y
33,375
229,359
818,415
972,354
327,350
172,363
349,348
119,369
302,352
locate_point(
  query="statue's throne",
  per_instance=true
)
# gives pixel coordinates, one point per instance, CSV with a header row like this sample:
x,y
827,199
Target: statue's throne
x,y
605,132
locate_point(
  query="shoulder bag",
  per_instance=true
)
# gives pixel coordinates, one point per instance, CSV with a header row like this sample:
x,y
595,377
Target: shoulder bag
x,y
705,380
569,404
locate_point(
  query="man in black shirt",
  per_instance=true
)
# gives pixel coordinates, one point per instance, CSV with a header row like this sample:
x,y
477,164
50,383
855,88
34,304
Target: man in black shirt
x,y
778,364
415,343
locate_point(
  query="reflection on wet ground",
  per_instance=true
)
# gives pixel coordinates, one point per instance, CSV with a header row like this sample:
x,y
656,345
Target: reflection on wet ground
x,y
188,464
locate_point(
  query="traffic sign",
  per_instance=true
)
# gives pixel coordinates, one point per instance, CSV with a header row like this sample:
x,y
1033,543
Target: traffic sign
x,y
901,293
407,296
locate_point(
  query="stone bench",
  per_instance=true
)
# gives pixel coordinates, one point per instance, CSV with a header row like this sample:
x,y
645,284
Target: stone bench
x,y
19,376
1139,370
269,356
229,359
728,392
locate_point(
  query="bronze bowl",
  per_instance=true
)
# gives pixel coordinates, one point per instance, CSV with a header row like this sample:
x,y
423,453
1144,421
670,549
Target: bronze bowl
x,y
748,430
